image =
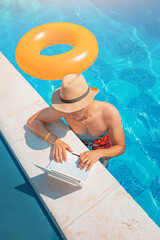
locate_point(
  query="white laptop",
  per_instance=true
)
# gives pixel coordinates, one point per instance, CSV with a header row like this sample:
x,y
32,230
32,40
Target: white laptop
x,y
68,171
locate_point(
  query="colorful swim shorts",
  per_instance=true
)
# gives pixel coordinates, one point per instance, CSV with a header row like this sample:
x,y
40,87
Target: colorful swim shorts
x,y
101,143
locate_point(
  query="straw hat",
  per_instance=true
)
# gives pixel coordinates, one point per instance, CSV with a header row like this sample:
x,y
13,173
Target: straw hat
x,y
73,95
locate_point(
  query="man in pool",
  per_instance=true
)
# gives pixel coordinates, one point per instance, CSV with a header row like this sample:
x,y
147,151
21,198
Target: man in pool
x,y
96,123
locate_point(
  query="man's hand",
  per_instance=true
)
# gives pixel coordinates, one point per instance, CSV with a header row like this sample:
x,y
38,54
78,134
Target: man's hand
x,y
88,158
59,150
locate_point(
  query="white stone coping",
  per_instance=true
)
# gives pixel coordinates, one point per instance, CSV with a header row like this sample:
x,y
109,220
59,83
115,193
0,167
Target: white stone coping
x,y
102,209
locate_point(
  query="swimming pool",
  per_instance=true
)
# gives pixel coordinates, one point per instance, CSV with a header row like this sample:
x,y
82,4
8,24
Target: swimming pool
x,y
126,71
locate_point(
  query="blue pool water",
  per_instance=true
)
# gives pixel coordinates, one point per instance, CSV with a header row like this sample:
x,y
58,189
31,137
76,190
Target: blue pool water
x,y
20,215
126,71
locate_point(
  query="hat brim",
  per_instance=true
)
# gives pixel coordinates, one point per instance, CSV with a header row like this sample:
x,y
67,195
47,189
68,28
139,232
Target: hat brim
x,y
72,107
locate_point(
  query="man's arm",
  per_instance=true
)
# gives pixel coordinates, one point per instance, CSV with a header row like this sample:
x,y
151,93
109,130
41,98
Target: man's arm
x,y
117,138
36,123
115,130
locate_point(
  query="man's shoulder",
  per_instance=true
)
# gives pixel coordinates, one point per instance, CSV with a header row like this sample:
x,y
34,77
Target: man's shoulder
x,y
106,106
107,110
52,110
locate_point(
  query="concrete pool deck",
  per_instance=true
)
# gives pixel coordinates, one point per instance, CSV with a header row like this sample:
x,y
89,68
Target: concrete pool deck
x,y
102,209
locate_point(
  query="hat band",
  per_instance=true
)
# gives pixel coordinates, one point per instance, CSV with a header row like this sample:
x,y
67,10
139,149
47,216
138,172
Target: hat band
x,y
76,99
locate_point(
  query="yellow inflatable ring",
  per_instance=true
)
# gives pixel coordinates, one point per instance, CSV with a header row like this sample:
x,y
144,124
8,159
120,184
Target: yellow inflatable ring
x,y
78,59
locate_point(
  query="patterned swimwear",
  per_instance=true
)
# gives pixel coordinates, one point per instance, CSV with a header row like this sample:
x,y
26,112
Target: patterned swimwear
x,y
101,143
